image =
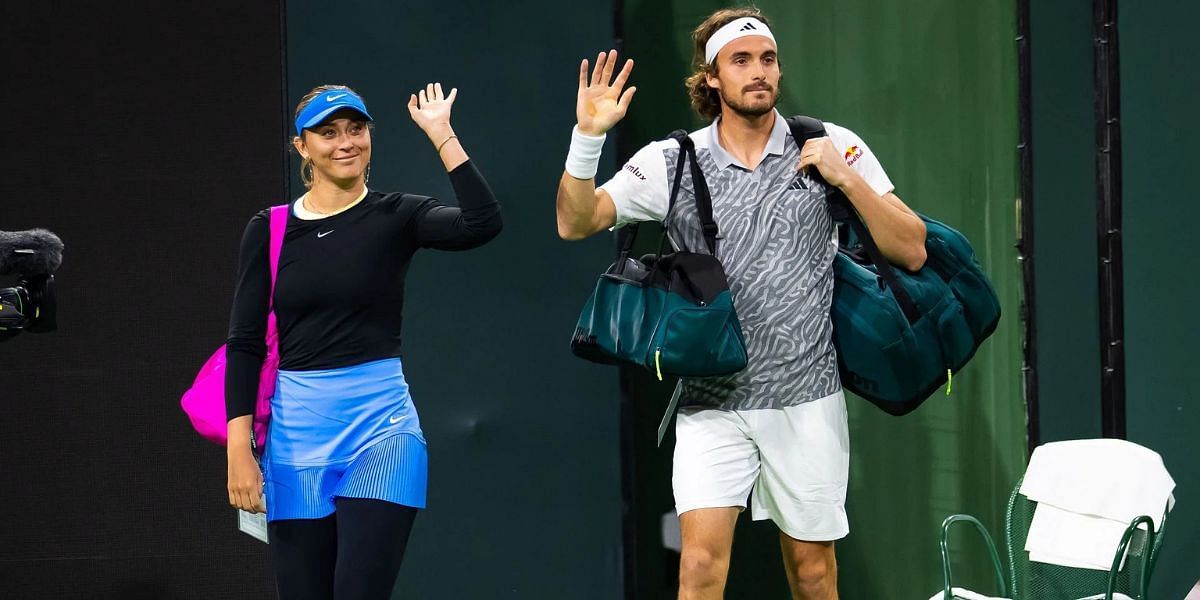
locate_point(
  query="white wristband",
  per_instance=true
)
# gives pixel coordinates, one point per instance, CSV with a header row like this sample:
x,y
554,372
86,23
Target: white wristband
x,y
584,156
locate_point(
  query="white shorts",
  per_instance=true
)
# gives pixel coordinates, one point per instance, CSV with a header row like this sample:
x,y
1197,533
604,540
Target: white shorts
x,y
796,460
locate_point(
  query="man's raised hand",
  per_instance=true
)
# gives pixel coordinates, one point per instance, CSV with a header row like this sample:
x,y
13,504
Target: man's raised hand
x,y
601,104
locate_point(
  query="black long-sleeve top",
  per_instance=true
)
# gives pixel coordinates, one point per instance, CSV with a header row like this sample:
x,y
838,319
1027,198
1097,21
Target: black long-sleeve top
x,y
340,287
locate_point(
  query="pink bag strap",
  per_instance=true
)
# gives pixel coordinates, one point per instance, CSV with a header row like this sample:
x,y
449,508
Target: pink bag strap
x,y
279,216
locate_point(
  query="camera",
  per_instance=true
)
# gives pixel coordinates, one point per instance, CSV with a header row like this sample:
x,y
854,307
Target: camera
x,y
30,305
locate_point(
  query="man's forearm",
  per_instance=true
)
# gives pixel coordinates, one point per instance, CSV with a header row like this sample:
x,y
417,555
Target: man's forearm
x,y
576,205
899,234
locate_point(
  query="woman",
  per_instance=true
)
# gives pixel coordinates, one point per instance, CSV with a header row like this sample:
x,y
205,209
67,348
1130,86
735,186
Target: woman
x,y
345,464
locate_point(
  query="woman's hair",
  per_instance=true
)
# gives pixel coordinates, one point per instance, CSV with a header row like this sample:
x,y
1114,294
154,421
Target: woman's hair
x,y
306,173
705,100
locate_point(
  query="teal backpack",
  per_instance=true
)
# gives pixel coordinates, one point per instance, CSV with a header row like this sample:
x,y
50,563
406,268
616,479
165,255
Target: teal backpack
x,y
901,335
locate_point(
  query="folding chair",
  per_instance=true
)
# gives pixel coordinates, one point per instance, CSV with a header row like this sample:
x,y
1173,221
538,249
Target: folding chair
x,y
1128,578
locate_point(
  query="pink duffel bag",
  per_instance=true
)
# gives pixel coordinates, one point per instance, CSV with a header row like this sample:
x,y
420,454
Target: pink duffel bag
x,y
204,402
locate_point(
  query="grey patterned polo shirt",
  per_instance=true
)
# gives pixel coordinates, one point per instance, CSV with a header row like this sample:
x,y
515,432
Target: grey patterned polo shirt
x,y
776,242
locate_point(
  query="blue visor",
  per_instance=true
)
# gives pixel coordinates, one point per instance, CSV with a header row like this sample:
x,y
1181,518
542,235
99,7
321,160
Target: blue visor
x,y
325,104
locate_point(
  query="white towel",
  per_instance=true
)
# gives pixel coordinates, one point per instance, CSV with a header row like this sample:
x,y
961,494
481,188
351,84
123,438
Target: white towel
x,y
1087,493
963,594
1114,479
1093,540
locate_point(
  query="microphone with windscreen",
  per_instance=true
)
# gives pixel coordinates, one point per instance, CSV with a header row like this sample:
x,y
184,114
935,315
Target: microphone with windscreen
x,y
33,256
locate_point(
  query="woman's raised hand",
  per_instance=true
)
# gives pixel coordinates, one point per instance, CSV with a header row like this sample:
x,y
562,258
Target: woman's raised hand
x,y
430,108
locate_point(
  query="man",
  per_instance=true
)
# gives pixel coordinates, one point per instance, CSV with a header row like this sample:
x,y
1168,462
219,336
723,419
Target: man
x,y
779,427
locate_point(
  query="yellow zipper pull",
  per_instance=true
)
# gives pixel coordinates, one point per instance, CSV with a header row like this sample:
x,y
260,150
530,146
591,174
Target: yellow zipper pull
x,y
949,381
658,362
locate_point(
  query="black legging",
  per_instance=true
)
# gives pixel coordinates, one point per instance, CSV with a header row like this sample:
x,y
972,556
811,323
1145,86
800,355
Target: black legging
x,y
353,554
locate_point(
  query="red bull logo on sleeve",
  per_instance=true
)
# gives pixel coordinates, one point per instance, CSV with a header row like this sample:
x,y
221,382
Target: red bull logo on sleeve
x,y
853,153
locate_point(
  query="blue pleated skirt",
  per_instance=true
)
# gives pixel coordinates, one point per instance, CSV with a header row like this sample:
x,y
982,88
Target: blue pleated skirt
x,y
351,432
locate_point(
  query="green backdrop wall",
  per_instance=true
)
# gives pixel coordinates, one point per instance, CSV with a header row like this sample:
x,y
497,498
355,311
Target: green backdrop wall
x,y
525,489
1159,91
931,85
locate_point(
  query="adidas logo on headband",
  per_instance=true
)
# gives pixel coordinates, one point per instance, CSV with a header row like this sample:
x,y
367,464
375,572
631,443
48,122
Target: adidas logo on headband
x,y
748,27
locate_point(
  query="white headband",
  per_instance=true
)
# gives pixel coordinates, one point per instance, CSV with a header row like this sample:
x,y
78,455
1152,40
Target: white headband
x,y
733,30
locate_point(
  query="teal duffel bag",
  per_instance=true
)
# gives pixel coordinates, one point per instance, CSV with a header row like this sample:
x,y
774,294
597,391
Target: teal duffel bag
x,y
897,349
901,335
670,313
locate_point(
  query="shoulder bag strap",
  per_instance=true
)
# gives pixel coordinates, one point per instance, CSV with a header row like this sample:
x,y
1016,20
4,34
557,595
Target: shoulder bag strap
x,y
279,216
699,187
628,233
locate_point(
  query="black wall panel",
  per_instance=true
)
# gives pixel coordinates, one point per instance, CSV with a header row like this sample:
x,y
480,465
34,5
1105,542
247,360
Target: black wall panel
x,y
145,135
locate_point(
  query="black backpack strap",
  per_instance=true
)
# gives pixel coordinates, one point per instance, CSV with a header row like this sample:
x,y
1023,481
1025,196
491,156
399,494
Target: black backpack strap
x,y
699,188
806,128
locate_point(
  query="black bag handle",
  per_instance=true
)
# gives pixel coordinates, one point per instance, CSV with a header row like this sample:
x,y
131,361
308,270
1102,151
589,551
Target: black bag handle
x,y
699,187
806,128
678,135
629,232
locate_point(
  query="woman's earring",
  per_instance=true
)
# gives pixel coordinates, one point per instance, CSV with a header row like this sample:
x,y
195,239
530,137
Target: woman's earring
x,y
367,176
